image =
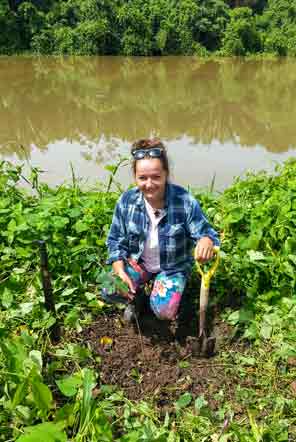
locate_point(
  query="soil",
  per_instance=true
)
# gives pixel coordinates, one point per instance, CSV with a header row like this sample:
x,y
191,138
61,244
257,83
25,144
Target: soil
x,y
154,359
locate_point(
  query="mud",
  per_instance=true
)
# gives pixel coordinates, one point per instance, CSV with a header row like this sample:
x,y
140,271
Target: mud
x,y
153,359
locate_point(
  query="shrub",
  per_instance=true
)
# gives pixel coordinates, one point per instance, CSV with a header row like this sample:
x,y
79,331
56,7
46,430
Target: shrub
x,y
241,36
276,43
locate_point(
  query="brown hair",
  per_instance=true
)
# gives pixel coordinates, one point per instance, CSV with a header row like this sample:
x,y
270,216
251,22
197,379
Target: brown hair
x,y
150,143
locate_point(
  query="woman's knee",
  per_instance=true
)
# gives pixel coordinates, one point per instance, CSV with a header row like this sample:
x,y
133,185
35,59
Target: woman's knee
x,y
166,312
165,316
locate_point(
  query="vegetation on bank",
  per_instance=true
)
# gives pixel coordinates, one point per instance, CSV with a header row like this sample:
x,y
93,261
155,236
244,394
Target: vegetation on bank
x,y
145,27
53,393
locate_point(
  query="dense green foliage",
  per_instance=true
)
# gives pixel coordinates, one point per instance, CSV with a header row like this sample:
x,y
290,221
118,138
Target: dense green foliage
x,y
257,219
145,27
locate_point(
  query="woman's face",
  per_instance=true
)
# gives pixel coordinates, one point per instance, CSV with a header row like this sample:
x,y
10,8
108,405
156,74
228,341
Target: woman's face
x,y
151,179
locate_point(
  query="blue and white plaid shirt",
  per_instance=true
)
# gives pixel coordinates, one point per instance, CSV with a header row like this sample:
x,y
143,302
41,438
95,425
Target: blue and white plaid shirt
x,y
178,231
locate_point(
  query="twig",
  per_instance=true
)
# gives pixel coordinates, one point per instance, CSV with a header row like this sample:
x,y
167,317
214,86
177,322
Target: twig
x,y
140,335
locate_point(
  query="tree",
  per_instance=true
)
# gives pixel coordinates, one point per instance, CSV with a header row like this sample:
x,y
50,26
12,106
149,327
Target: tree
x,y
241,36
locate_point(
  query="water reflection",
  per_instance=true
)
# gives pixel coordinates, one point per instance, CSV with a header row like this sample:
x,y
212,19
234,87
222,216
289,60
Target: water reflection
x,y
103,102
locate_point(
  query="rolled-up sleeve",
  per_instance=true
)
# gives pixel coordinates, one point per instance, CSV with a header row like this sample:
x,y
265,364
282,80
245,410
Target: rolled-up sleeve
x,y
117,241
197,224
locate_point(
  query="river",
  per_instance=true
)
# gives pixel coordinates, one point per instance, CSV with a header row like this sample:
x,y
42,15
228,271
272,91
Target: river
x,y
218,118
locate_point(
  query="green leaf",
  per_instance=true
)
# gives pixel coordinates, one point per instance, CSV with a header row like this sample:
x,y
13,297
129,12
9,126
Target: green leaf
x,y
46,432
69,385
184,364
87,399
200,402
26,307
36,357
68,292
288,269
41,395
266,331
255,256
80,226
235,215
6,298
19,394
133,436
233,318
247,360
110,168
183,400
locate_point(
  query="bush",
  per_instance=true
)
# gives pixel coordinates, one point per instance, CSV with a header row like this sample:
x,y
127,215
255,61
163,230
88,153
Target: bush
x,y
90,37
134,20
64,40
10,36
241,36
276,43
291,46
43,43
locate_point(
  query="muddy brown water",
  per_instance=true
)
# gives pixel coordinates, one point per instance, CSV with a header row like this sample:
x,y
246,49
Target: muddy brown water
x,y
218,118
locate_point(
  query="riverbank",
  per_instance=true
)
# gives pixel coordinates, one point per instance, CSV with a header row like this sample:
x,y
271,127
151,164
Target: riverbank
x,y
85,386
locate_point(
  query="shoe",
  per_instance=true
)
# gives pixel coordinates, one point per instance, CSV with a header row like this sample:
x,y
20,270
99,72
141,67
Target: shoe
x,y
129,314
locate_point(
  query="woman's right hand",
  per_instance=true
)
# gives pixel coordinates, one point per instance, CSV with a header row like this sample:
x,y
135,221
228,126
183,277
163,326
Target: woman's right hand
x,y
127,280
118,268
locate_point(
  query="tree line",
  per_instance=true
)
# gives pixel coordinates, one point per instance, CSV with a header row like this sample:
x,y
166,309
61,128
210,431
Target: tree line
x,y
148,27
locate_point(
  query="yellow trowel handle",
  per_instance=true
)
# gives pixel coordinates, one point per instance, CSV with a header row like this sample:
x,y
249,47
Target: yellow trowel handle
x,y
204,291
207,276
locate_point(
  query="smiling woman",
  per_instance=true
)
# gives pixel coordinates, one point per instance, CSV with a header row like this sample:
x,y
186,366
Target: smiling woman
x,y
154,229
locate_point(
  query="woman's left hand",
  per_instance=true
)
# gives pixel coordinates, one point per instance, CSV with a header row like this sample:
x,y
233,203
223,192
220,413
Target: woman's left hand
x,y
204,249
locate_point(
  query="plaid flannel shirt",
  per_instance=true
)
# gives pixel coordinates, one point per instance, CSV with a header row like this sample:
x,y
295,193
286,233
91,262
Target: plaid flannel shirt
x,y
178,231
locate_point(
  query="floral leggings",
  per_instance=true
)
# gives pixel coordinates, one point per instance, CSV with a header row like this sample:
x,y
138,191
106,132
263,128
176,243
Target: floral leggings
x,y
166,294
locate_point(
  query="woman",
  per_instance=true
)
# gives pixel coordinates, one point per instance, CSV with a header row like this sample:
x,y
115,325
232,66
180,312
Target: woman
x,y
154,229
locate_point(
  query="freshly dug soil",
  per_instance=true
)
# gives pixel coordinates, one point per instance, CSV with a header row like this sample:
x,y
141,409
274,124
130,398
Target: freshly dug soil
x,y
153,358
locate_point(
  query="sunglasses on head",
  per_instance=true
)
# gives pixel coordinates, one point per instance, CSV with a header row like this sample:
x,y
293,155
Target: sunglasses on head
x,y
154,152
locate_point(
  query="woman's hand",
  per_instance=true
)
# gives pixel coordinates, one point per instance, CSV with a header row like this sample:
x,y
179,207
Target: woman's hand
x,y
204,249
118,268
132,289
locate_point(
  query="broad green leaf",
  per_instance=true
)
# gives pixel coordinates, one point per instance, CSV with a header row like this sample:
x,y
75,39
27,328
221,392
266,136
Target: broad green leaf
x,y
69,385
292,258
19,394
133,436
46,432
233,318
11,225
235,215
74,213
89,296
247,360
266,331
6,298
183,400
288,269
200,402
81,227
41,395
36,357
26,308
68,292
25,413
255,256
67,414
